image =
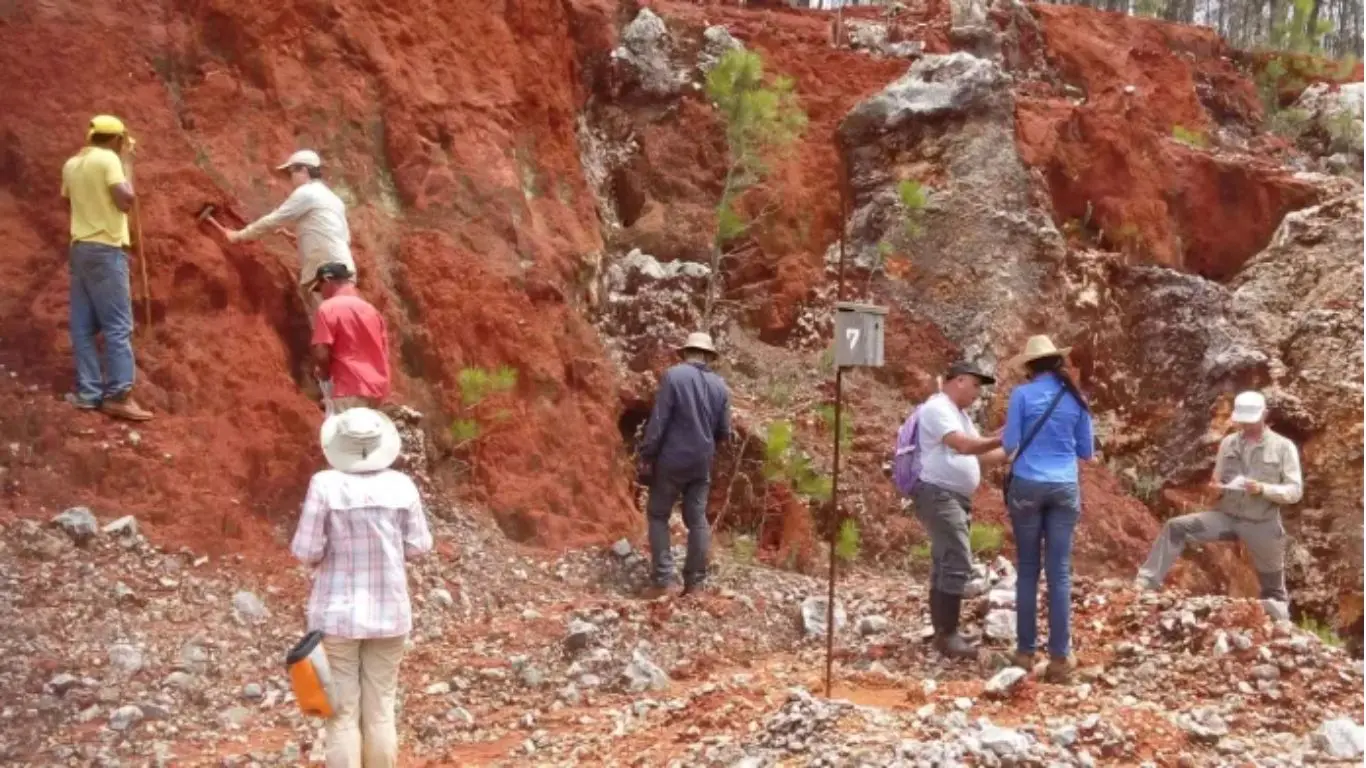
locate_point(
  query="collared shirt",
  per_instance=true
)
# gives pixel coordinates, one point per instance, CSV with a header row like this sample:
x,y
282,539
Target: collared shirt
x,y
360,529
324,236
1051,457
941,465
691,415
355,333
86,179
1272,461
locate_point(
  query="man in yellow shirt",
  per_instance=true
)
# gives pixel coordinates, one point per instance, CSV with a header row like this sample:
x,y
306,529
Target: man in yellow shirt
x,y
101,301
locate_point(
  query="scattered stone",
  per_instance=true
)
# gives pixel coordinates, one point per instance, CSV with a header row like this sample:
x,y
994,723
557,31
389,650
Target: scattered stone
x,y
1004,742
642,674
235,717
124,526
252,692
1064,736
622,548
1221,643
532,677
62,683
1341,739
580,635
1001,624
247,608
442,598
1204,726
1003,683
438,689
183,681
872,625
194,658
814,611
1266,672
125,659
79,523
124,718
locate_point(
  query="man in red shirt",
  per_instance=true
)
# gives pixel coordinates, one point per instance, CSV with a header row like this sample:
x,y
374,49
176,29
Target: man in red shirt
x,y
350,346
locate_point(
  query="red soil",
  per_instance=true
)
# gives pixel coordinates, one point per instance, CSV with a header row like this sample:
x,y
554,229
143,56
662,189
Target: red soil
x,y
1113,161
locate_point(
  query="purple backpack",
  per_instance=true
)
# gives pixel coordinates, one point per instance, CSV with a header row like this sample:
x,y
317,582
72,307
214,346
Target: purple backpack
x,y
906,460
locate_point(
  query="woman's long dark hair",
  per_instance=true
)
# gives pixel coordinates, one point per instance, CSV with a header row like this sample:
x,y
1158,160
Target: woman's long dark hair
x,y
1054,364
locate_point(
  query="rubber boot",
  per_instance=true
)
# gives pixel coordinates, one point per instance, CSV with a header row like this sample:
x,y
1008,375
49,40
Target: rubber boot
x,y
947,640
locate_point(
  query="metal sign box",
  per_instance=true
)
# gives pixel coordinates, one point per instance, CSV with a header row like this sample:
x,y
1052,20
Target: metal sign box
x,y
859,330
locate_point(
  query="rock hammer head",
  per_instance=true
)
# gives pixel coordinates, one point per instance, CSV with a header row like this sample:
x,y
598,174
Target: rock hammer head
x,y
205,213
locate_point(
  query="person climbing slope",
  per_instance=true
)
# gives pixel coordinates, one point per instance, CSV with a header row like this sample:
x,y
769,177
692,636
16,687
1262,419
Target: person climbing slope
x,y
350,343
361,523
100,196
324,236
1256,472
691,415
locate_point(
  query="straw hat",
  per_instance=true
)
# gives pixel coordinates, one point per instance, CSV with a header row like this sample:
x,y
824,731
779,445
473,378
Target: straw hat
x,y
700,341
1039,347
360,440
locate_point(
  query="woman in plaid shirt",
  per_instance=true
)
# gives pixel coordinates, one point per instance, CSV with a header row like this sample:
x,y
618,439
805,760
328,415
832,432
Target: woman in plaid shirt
x,y
361,521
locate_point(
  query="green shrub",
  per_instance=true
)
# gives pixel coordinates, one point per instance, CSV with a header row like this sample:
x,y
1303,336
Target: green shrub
x,y
847,541
986,539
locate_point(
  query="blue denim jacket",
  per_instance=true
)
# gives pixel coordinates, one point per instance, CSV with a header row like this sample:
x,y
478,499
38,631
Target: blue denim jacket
x,y
1052,456
691,415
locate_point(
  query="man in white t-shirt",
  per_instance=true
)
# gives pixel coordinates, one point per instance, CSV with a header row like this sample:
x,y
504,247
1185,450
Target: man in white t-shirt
x,y
952,454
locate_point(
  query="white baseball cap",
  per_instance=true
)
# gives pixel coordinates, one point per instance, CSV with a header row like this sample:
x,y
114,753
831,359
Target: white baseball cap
x,y
303,157
1248,408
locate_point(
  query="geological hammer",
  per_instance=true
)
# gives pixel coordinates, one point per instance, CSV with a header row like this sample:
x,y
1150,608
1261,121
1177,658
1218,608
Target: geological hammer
x,y
206,213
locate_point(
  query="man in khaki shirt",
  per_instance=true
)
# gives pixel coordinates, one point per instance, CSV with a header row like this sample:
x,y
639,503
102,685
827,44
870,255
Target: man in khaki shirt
x,y
1266,468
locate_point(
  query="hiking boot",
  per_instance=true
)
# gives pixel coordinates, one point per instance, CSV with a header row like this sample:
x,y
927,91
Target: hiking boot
x,y
656,591
1059,670
944,613
1022,660
126,408
76,401
954,646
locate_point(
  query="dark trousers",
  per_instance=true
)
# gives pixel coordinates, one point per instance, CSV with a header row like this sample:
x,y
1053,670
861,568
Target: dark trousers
x,y
665,489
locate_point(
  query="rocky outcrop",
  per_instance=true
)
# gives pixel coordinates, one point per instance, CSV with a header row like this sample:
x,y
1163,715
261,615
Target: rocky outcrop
x,y
976,268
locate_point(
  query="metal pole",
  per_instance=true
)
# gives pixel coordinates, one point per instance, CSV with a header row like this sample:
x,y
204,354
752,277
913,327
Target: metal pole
x,y
835,474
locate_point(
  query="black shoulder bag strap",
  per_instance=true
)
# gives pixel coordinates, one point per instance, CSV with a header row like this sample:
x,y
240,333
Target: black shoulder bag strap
x,y
1029,438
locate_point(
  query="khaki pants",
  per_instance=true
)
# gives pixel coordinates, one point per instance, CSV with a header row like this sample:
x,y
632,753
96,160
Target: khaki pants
x,y
1265,542
361,730
312,299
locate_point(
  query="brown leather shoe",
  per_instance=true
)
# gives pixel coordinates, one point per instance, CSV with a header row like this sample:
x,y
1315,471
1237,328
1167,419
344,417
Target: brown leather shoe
x,y
1059,670
1023,660
125,408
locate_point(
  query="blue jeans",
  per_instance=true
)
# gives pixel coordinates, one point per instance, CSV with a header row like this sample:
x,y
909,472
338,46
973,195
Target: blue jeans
x,y
101,302
1044,517
665,488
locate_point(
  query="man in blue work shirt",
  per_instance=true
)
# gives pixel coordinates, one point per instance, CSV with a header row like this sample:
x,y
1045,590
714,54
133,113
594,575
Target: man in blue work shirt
x,y
691,415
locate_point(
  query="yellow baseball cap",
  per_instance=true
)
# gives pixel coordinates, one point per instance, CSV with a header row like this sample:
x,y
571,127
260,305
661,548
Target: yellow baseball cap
x,y
106,124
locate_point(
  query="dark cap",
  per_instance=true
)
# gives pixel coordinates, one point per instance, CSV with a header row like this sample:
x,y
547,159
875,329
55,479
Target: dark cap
x,y
964,368
333,270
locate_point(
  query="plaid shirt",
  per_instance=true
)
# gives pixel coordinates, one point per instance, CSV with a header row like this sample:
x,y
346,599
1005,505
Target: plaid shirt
x,y
359,529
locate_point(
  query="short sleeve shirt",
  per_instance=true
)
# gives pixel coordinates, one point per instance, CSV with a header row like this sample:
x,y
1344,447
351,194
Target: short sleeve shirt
x,y
86,179
355,331
940,464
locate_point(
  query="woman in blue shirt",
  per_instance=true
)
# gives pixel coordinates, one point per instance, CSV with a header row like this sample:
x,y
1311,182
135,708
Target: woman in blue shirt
x,y
1044,496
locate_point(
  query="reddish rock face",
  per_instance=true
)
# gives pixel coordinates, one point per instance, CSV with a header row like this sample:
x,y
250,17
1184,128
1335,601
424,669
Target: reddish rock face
x,y
447,127
1112,164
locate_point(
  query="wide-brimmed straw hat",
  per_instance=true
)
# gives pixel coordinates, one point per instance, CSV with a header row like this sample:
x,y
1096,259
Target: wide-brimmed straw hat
x,y
1039,347
699,341
360,440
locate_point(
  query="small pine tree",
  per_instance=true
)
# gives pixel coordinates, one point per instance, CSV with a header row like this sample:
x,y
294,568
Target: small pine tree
x,y
912,197
479,389
847,541
762,119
